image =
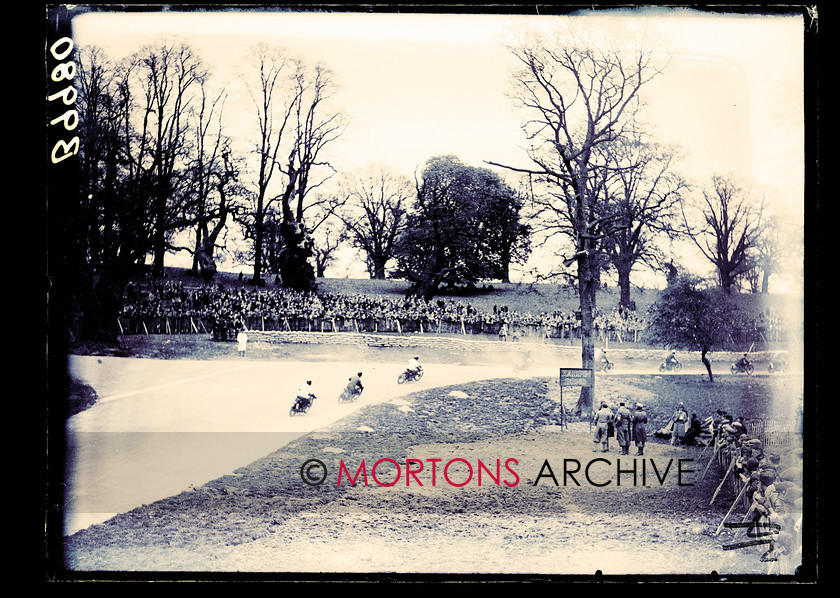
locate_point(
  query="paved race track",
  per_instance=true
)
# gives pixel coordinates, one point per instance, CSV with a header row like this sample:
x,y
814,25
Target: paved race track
x,y
161,426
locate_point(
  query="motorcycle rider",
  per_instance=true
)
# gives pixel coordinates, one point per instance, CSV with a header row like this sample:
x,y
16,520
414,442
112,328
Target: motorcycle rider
x,y
743,362
671,360
601,358
305,395
354,384
414,366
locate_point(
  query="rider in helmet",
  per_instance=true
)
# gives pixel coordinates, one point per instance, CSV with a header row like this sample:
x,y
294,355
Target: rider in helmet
x,y
414,365
354,384
743,362
305,394
672,358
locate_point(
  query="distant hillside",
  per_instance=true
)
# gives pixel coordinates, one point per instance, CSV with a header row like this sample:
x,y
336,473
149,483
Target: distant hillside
x,y
521,297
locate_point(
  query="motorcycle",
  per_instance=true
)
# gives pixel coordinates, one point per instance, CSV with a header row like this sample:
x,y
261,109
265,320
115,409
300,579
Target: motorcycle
x,y
606,365
777,365
348,395
667,366
301,405
739,367
410,376
521,367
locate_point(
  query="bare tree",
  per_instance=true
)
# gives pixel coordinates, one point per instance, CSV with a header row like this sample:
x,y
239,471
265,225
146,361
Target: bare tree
x,y
274,98
295,125
165,76
213,188
372,206
328,238
776,245
108,231
730,222
579,94
645,192
315,127
101,146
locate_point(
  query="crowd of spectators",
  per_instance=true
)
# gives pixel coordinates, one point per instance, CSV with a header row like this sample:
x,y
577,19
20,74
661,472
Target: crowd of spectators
x,y
227,309
764,474
770,482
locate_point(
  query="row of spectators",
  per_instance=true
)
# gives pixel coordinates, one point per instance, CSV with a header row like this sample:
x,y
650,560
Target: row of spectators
x,y
770,483
237,305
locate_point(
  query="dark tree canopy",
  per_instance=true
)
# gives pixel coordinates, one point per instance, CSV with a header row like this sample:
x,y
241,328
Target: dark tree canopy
x,y
691,318
453,231
135,123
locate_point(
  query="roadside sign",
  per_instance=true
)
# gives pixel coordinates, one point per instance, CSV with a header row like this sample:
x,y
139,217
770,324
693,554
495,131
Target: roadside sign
x,y
573,377
577,377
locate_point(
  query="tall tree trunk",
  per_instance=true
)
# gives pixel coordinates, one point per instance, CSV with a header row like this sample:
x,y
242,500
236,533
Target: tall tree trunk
x,y
505,258
707,363
160,199
99,323
159,253
295,270
726,281
624,284
765,281
378,268
259,234
200,236
588,284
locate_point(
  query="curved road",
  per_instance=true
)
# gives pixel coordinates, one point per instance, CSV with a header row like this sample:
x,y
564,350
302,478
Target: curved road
x,y
160,427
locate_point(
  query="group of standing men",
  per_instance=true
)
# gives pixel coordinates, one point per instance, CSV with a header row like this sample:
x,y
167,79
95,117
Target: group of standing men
x,y
625,425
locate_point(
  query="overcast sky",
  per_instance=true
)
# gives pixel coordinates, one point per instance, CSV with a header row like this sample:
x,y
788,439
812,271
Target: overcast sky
x,y
415,85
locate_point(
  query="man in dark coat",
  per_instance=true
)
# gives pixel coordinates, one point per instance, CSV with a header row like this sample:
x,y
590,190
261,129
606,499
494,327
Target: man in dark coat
x,y
639,430
622,428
